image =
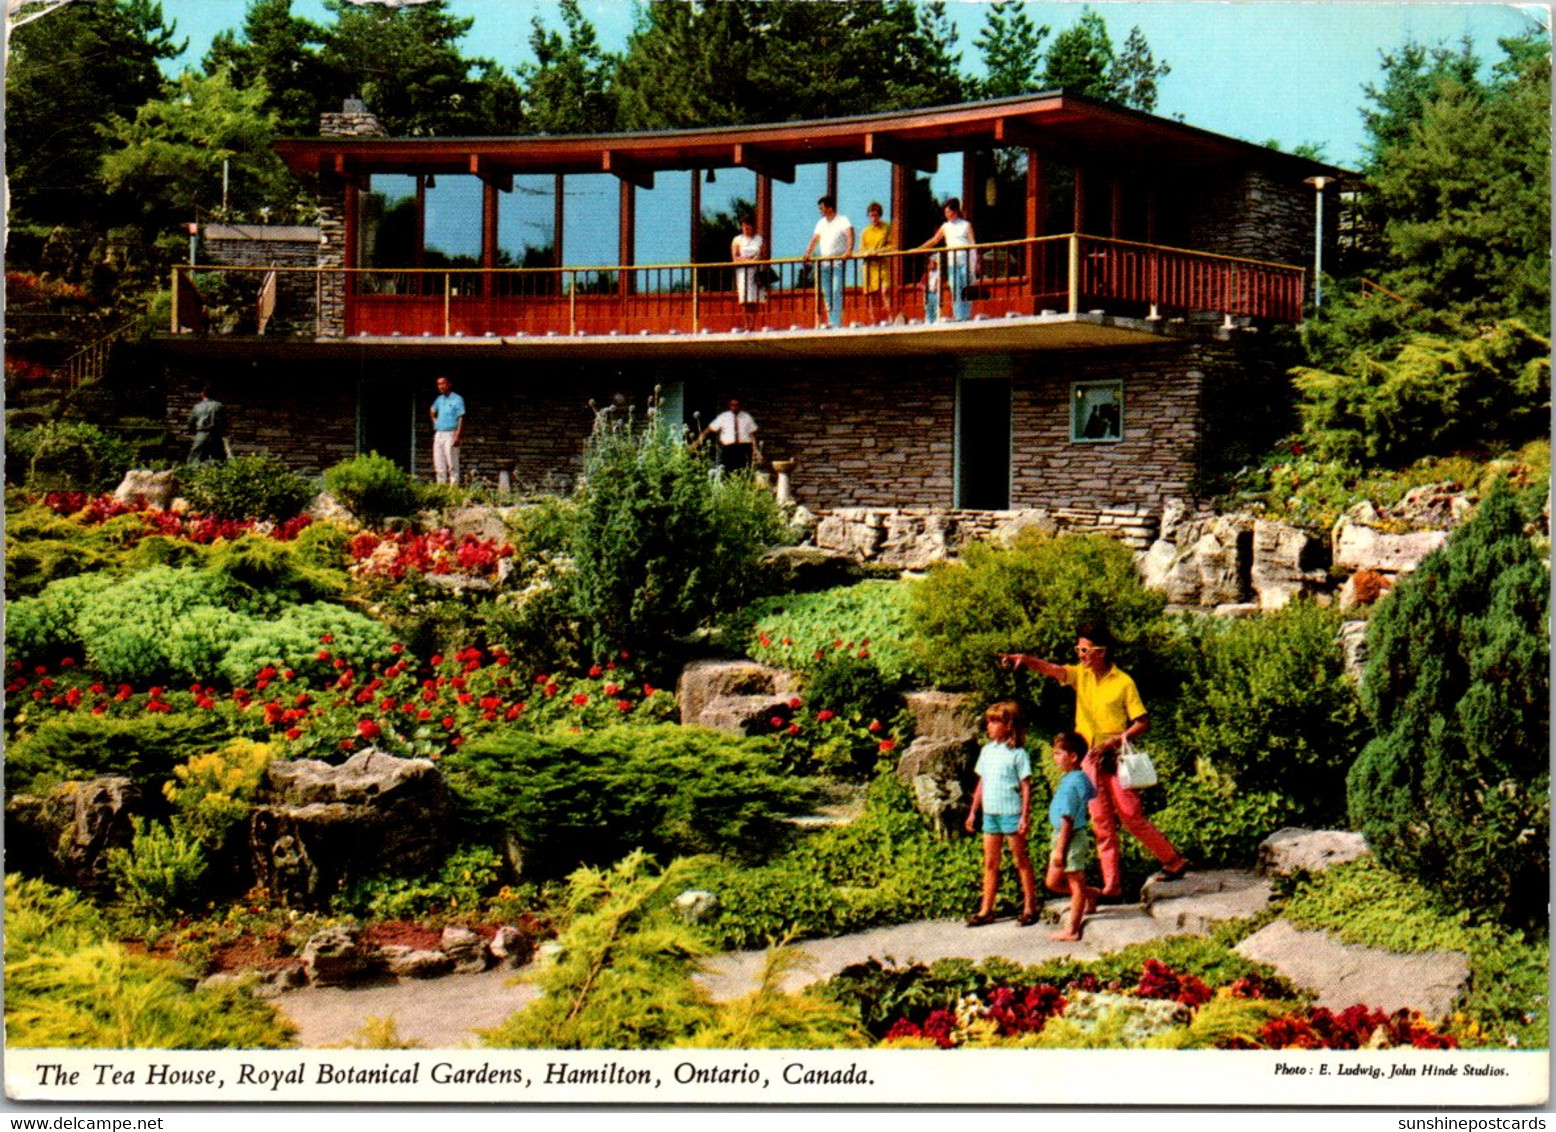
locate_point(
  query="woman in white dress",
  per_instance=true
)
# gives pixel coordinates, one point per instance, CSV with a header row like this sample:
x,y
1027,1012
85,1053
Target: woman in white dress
x,y
750,290
961,266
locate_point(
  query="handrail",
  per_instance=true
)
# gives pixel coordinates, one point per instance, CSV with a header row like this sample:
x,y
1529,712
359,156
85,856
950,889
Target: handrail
x,y
1070,271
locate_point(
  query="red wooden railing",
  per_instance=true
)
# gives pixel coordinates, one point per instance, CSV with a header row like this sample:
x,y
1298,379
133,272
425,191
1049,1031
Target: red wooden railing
x,y
1048,275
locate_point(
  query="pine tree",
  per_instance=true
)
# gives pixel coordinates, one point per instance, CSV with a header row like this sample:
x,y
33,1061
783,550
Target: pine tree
x,y
1011,47
1455,789
567,88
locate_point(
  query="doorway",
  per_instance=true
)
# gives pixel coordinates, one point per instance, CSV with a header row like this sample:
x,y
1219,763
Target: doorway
x,y
386,419
983,440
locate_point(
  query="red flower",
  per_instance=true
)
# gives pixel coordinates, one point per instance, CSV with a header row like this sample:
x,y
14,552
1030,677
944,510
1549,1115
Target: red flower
x,y
580,700
513,712
648,690
823,715
397,648
766,640
795,702
68,662
794,729
448,722
875,725
611,689
292,733
347,744
437,659
424,714
776,721
596,671
323,654
369,729
888,746
623,705
288,674
788,641
327,639
550,689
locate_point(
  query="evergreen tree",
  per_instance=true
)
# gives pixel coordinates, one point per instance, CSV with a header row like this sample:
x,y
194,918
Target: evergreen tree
x,y
406,64
1134,71
67,75
1011,47
1455,789
567,90
1082,59
280,51
168,161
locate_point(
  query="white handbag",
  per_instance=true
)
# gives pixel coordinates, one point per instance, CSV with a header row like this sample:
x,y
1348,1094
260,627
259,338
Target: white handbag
x,y
1135,769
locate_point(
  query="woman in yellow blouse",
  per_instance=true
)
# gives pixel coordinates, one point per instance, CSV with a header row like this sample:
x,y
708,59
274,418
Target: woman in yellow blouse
x,y
874,239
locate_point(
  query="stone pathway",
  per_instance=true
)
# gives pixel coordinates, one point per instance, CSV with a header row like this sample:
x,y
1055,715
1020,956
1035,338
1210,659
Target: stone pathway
x,y
445,1013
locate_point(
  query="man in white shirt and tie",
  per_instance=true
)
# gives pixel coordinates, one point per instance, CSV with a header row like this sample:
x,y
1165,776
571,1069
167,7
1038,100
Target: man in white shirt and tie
x,y
737,437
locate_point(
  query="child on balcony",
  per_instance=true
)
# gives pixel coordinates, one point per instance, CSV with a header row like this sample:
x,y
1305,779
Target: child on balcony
x,y
931,284
1004,794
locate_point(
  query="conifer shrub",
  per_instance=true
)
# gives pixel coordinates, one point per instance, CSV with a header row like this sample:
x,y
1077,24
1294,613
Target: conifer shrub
x,y
79,745
161,873
660,545
1436,395
372,487
67,456
593,797
67,985
256,486
1030,597
1269,706
1454,789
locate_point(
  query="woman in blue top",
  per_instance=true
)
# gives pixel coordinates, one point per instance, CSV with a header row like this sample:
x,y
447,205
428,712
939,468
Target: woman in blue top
x,y
1004,794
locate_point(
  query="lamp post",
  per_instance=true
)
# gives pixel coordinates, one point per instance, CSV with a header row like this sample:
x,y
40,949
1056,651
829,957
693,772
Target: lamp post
x,y
1318,184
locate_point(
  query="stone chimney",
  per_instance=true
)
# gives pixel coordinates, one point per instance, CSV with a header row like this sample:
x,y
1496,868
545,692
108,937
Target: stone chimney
x,y
354,120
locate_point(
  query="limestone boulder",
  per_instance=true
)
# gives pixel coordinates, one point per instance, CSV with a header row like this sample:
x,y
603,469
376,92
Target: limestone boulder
x,y
1434,506
1293,850
1012,525
728,695
414,963
318,827
465,949
1358,546
154,489
511,946
1163,568
802,569
1211,563
478,522
1287,562
65,835
943,715
1353,647
854,531
338,957
916,541
939,772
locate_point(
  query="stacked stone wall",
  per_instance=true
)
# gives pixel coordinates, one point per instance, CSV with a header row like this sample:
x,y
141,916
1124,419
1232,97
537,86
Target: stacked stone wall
x,y
257,245
1254,215
332,219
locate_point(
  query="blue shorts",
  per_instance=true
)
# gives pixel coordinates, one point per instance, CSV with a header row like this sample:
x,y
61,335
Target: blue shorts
x,y
1003,824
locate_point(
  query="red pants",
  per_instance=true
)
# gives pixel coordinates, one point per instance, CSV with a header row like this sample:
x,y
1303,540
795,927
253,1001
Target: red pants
x,y
1112,805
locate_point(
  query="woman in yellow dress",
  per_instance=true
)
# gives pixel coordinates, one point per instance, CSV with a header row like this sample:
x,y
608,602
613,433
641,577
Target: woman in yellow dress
x,y
874,239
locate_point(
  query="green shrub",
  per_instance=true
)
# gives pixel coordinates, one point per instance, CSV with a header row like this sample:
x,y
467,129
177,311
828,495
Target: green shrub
x,y
1455,788
144,748
324,545
592,798
212,793
885,867
1435,396
247,487
801,631
372,487
43,628
659,545
1213,821
66,987
296,638
42,547
459,886
270,574
1269,705
67,456
162,872
1031,597
194,645
123,628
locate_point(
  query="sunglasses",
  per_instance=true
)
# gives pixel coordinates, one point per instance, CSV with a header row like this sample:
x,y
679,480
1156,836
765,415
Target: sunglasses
x,y
1088,651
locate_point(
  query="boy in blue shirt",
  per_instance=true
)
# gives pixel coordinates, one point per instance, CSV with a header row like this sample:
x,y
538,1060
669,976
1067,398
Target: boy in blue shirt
x,y
1068,814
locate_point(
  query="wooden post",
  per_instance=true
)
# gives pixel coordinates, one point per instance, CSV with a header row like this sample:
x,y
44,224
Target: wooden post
x,y
832,180
969,182
1075,273
1116,208
764,213
558,215
626,232
420,258
489,247
1036,214
899,229
1079,224
691,246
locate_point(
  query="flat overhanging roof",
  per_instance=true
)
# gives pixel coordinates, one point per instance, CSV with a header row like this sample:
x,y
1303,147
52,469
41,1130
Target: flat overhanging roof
x,y
1063,331
1060,123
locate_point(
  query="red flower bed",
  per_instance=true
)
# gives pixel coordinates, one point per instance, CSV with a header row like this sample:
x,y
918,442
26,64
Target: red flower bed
x,y
92,510
394,554
1354,1027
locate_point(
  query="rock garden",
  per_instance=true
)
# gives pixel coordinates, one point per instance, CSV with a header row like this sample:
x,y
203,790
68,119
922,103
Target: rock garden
x,y
262,737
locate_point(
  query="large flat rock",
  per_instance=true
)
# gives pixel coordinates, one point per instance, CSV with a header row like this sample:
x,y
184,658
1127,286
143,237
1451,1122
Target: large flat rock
x,y
1343,974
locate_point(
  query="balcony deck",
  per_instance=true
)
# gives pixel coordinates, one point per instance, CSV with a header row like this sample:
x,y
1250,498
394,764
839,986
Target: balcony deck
x,y
1064,292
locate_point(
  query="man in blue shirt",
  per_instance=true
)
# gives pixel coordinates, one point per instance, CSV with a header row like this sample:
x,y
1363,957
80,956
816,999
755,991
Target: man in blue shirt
x,y
448,424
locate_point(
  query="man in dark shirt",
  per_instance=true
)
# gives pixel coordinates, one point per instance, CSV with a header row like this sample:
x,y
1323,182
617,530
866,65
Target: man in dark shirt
x,y
208,422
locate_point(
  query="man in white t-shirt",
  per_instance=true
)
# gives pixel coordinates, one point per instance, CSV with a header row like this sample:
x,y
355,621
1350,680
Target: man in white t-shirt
x,y
833,243
737,437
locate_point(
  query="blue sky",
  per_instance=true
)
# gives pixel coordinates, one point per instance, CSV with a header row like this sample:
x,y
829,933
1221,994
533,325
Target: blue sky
x,y
1254,69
